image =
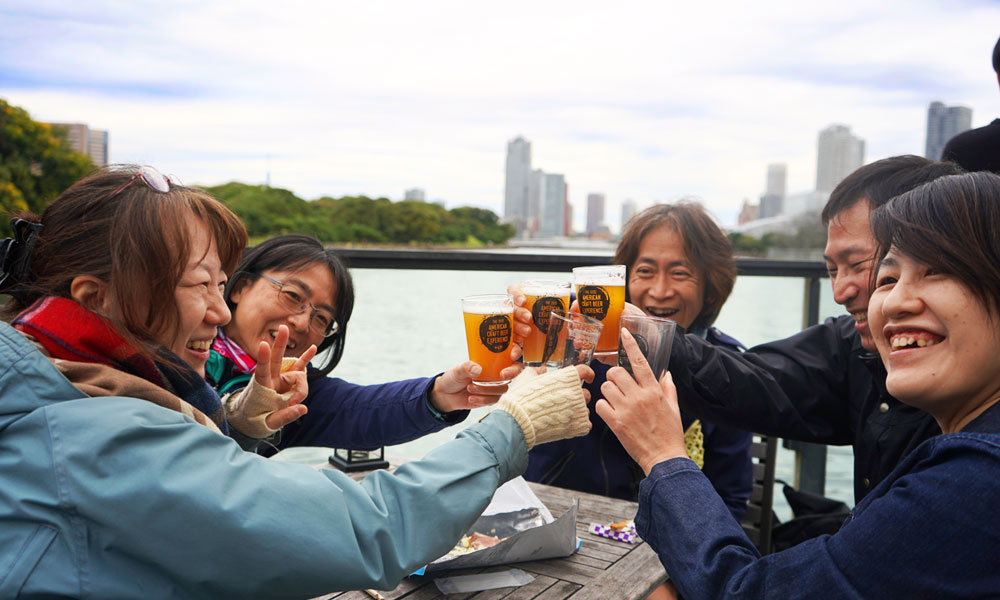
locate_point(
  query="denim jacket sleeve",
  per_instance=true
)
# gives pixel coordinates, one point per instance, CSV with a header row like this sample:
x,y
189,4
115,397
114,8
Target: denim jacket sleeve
x,y
914,536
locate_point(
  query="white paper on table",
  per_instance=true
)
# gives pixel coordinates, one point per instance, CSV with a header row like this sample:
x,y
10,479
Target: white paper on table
x,y
515,495
463,584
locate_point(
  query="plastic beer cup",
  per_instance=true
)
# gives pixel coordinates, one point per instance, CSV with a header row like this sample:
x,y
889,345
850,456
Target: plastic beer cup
x,y
543,296
600,294
489,319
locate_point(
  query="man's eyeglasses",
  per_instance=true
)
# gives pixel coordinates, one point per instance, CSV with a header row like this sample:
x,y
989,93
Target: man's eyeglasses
x,y
154,179
293,299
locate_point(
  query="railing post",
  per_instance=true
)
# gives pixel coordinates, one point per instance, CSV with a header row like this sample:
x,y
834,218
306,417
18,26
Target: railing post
x,y
810,459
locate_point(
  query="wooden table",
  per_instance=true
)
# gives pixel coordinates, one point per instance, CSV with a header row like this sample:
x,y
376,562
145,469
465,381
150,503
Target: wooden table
x,y
601,569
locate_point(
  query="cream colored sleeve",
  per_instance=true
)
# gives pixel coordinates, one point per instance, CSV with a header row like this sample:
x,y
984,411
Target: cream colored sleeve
x,y
247,410
548,407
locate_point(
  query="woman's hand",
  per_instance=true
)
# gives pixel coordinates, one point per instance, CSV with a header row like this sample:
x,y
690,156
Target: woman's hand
x,y
521,322
455,390
642,412
290,380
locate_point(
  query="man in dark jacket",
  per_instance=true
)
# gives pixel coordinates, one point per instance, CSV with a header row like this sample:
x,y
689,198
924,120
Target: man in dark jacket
x,y
978,149
824,384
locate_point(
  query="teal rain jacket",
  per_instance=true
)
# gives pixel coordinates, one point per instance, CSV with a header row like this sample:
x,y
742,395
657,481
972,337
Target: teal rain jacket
x,y
119,498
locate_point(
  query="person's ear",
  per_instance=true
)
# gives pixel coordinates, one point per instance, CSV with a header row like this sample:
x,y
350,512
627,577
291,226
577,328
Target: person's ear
x,y
89,291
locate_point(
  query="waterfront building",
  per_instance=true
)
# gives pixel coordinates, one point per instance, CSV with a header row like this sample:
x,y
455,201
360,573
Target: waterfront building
x,y
839,153
516,185
629,209
595,213
83,139
552,198
748,212
416,194
944,123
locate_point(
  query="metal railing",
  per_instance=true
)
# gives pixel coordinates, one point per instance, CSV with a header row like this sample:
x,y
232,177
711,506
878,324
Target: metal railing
x,y
810,459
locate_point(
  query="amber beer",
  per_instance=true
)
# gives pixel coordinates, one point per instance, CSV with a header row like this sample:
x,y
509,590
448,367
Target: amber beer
x,y
542,297
489,320
600,294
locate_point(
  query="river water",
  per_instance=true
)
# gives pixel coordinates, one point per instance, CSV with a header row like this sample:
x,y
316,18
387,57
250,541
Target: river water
x,y
408,323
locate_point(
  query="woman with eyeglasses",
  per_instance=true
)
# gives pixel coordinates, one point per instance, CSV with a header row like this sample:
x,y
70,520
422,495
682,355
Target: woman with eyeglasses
x,y
929,529
113,481
293,280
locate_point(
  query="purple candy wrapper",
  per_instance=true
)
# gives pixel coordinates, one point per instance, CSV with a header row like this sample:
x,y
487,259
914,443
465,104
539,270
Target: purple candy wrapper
x,y
625,534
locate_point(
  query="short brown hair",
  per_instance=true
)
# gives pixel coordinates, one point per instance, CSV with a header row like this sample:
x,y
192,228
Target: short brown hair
x,y
949,224
136,241
706,245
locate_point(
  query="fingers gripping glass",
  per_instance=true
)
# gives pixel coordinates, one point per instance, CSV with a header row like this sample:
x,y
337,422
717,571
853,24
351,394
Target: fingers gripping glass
x,y
293,299
156,181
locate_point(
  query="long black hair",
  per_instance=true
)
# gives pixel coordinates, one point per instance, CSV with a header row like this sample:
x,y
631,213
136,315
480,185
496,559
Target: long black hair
x,y
289,253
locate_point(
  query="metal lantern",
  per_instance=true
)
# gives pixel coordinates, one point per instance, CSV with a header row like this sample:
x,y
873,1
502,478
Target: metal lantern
x,y
359,460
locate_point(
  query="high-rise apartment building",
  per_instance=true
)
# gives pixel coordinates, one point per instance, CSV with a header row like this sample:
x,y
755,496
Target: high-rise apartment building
x,y
839,154
552,197
416,194
944,123
595,213
772,202
83,139
517,184
628,211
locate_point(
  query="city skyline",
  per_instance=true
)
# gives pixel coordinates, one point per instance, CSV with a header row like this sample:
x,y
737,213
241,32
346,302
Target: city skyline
x,y
646,101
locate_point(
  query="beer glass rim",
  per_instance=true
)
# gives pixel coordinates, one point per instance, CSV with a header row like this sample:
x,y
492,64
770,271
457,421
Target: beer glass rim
x,y
546,283
600,269
632,316
570,316
489,300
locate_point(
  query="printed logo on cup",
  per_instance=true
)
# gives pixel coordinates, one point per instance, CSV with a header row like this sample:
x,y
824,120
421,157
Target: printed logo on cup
x,y
494,333
541,309
623,357
593,301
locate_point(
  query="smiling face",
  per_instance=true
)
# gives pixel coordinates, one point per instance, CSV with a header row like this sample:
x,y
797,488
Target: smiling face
x,y
663,281
849,255
938,342
200,304
258,313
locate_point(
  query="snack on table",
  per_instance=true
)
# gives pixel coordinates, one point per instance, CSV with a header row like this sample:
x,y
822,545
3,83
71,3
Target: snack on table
x,y
476,541
623,531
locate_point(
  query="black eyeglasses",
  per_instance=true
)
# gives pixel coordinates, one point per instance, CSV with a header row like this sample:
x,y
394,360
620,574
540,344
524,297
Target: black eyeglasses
x,y
321,321
154,179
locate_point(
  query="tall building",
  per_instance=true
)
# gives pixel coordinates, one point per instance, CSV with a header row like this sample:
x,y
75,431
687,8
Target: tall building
x,y
628,211
595,213
839,154
772,202
552,219
748,212
516,184
944,123
83,139
416,194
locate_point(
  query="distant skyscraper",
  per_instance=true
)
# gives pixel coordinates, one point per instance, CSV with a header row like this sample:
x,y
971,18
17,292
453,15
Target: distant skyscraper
x,y
595,213
414,194
839,154
92,142
516,184
944,123
772,202
749,212
628,211
552,220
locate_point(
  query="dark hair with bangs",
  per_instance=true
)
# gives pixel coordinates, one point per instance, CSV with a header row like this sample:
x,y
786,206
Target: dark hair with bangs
x,y
136,241
951,224
882,180
290,253
705,244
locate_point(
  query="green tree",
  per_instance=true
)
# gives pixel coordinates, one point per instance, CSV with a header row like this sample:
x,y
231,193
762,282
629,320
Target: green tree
x,y
36,163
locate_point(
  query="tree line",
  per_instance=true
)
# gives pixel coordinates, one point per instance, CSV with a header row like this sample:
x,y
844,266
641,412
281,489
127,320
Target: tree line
x,y
37,164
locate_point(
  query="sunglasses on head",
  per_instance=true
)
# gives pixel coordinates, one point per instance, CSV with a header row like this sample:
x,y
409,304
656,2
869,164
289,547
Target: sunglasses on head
x,y
156,181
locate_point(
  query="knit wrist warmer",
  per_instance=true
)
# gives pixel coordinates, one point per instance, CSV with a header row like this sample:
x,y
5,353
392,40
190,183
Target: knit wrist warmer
x,y
548,407
247,409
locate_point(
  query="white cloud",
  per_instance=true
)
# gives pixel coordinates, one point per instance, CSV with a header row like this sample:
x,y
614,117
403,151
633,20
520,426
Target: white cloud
x,y
642,100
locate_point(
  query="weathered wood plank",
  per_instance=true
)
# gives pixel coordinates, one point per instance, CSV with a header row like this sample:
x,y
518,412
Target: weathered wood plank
x,y
634,577
527,591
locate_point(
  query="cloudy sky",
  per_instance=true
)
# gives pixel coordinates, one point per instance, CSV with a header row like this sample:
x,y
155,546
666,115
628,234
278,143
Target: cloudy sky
x,y
651,101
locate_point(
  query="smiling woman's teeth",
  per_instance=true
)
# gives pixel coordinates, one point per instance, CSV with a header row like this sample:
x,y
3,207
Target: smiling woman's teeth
x,y
200,345
903,342
661,312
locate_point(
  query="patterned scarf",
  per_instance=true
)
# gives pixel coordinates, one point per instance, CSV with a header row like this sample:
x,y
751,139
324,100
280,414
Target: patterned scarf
x,y
242,362
68,331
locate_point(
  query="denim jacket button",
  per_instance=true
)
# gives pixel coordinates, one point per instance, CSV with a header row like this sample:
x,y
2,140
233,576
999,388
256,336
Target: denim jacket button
x,y
884,407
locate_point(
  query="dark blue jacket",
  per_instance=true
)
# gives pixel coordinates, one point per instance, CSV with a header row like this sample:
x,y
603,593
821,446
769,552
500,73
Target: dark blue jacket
x,y
928,530
598,463
359,417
